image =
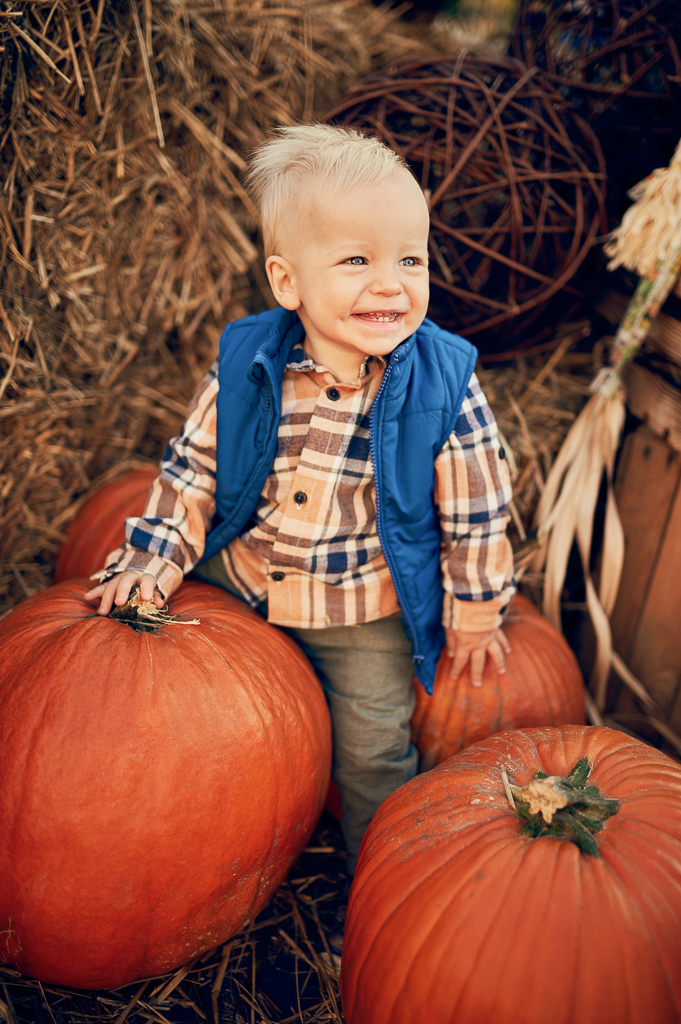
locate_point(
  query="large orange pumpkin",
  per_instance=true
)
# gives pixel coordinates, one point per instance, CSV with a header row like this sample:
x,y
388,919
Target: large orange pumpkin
x,y
458,915
156,786
542,685
99,525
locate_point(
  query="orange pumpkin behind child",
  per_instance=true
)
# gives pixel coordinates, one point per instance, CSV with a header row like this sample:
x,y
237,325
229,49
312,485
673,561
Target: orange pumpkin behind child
x,y
98,527
542,685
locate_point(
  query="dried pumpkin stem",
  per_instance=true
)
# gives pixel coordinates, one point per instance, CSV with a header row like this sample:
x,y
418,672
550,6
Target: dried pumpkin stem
x,y
564,807
144,616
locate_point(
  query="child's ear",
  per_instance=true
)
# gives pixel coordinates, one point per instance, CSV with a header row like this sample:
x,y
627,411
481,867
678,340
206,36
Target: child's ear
x,y
282,282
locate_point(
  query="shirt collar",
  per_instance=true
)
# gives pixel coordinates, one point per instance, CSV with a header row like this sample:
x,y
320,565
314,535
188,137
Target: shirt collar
x,y
299,360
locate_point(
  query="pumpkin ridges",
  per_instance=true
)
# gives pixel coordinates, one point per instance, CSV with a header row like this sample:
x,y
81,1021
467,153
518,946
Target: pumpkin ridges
x,y
549,668
438,939
593,1001
646,888
396,926
517,892
506,888
613,937
546,670
457,715
619,773
216,822
379,840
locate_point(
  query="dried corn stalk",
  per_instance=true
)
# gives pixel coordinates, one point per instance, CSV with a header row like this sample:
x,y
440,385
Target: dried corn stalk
x,y
566,509
646,237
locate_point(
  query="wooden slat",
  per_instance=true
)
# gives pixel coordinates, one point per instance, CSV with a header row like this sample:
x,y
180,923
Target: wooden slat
x,y
656,655
648,611
648,479
652,399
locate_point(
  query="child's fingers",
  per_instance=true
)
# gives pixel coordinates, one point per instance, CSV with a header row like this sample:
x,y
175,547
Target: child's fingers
x,y
101,591
117,591
478,656
497,653
148,589
108,591
459,661
503,640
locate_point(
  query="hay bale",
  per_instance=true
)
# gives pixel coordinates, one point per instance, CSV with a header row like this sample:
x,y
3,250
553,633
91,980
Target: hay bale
x,y
126,237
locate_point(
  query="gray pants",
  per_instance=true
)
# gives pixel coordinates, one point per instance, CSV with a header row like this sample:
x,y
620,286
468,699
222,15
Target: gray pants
x,y
367,675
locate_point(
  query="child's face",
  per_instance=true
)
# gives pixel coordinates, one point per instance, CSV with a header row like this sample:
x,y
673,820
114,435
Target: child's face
x,y
356,270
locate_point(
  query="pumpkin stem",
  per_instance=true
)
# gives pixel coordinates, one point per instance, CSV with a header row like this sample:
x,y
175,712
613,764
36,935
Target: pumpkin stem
x,y
144,616
564,807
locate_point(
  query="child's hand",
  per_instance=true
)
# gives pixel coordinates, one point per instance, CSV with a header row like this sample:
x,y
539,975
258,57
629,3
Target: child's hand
x,y
117,590
464,647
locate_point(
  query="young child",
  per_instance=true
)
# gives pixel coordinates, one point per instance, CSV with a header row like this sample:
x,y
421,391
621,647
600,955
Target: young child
x,y
340,468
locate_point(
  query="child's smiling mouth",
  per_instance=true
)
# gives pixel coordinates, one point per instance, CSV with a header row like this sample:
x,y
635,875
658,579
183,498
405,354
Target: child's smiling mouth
x,y
380,316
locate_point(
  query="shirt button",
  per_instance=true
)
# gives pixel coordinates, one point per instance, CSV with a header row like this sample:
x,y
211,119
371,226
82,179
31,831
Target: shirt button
x,y
300,497
333,394
277,577
502,453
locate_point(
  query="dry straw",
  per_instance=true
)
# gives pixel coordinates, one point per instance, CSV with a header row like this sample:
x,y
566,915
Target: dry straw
x,y
126,237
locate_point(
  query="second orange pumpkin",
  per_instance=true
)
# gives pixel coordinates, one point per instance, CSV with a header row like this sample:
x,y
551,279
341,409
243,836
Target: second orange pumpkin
x,y
542,685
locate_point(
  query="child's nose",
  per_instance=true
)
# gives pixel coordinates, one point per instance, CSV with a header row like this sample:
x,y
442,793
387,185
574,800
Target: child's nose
x,y
386,281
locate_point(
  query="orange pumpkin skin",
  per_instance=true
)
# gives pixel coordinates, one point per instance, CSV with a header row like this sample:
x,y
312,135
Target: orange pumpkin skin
x,y
98,527
457,918
542,685
157,787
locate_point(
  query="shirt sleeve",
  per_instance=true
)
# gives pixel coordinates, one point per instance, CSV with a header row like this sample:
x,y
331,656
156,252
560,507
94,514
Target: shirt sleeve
x,y
169,539
472,492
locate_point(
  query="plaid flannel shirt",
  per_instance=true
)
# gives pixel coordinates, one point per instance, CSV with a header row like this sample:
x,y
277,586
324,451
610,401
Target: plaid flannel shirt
x,y
333,571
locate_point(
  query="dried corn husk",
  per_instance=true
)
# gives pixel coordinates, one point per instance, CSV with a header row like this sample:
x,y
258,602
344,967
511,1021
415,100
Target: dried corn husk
x,y
646,237
566,509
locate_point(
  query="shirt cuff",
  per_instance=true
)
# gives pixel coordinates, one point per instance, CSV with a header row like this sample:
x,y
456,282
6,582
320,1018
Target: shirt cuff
x,y
474,616
168,575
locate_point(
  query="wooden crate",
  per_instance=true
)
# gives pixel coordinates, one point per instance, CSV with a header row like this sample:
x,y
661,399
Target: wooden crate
x,y
646,621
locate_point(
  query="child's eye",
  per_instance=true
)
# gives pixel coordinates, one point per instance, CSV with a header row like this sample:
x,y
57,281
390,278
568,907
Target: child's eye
x,y
411,261
356,261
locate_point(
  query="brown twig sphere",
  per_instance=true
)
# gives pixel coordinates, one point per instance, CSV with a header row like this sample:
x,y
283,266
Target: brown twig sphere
x,y
617,64
603,50
515,183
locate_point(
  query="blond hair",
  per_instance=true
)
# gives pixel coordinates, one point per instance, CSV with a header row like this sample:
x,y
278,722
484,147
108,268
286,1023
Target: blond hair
x,y
340,157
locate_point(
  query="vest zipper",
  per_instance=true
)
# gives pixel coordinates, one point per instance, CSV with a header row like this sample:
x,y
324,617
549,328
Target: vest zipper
x,y
267,391
373,450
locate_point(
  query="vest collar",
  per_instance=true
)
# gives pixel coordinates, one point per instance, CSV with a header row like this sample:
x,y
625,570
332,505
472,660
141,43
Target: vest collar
x,y
271,358
286,331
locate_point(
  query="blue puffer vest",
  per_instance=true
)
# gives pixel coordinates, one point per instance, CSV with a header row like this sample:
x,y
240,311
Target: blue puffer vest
x,y
412,416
